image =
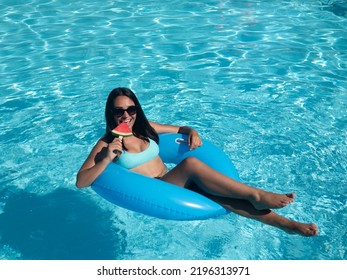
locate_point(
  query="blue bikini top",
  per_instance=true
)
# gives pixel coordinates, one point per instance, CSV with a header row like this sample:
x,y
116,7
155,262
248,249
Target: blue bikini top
x,y
132,160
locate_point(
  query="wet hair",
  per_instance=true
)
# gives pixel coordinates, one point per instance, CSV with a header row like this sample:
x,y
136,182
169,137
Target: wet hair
x,y
141,128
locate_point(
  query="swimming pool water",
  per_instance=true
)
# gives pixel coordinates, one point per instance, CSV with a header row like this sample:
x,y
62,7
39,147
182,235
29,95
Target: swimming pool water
x,y
263,80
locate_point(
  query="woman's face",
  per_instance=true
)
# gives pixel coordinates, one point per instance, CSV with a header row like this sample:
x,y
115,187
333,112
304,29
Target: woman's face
x,y
124,110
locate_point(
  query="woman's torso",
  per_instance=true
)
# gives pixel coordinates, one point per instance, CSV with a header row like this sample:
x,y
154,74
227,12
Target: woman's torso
x,y
142,157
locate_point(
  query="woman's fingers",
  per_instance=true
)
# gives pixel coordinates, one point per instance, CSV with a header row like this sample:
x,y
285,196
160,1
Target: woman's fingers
x,y
194,142
115,147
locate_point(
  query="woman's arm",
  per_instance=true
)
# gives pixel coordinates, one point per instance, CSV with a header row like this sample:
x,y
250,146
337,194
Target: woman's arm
x,y
194,139
164,128
99,158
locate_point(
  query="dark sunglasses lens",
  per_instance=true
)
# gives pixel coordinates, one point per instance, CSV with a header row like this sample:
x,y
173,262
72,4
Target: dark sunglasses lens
x,y
131,110
120,112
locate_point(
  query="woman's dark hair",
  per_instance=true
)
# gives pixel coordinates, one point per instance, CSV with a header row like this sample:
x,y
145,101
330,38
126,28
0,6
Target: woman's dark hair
x,y
141,127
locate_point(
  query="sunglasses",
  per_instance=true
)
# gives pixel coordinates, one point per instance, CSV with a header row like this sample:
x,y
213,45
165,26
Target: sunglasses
x,y
118,112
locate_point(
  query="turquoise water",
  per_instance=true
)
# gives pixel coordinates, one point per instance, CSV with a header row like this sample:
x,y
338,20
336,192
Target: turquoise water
x,y
263,80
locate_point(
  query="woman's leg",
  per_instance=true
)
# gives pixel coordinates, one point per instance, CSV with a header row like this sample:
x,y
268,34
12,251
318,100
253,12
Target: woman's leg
x,y
192,170
246,209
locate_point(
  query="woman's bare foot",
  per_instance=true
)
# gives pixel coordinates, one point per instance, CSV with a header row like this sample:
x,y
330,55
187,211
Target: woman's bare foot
x,y
301,228
268,200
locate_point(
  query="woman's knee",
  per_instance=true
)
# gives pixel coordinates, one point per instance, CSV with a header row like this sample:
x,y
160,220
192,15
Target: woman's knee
x,y
191,163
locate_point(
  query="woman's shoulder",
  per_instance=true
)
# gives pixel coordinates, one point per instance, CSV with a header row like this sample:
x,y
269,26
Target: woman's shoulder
x,y
101,143
105,139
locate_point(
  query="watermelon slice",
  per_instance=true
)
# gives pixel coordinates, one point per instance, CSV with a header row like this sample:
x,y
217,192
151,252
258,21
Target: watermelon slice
x,y
122,130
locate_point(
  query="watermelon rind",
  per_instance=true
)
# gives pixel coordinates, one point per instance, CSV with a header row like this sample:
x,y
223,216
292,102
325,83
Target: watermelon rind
x,y
124,134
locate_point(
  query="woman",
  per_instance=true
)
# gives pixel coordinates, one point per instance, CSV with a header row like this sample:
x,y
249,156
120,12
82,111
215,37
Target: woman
x,y
122,106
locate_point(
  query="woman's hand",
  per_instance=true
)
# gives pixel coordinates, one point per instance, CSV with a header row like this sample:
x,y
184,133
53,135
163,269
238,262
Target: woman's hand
x,y
114,149
194,140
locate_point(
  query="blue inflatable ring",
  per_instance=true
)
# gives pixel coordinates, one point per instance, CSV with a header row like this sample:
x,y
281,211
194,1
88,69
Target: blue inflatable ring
x,y
160,199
